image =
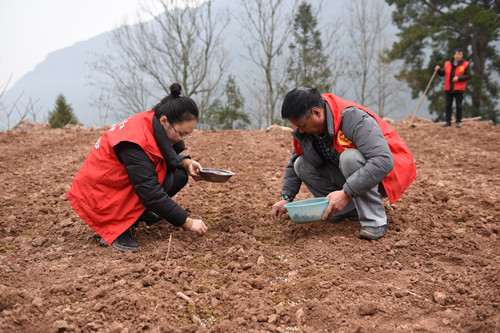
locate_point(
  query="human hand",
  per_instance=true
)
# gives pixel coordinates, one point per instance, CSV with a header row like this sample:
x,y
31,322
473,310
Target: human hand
x,y
455,79
437,68
193,168
278,209
338,200
195,225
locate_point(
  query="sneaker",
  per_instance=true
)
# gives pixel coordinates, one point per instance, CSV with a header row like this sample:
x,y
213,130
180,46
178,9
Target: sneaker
x,y
149,217
373,233
351,216
458,124
446,124
125,242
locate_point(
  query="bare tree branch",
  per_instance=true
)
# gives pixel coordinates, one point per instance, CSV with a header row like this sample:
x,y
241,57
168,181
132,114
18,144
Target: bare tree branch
x,y
9,110
268,26
182,44
371,73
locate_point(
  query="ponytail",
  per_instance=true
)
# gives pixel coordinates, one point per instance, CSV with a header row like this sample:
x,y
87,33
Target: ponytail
x,y
175,107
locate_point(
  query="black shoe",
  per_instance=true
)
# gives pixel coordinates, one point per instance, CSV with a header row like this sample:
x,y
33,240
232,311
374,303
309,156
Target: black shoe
x,y
373,233
458,124
149,217
125,242
446,125
351,216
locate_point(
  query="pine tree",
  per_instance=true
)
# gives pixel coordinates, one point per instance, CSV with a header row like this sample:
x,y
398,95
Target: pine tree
x,y
228,115
62,114
308,65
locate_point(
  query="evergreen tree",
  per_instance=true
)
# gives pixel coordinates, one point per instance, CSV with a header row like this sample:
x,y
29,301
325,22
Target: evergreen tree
x,y
442,26
308,65
62,114
228,115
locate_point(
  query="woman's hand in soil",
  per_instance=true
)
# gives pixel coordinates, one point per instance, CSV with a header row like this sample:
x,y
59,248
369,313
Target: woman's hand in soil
x,y
338,200
195,225
193,168
278,209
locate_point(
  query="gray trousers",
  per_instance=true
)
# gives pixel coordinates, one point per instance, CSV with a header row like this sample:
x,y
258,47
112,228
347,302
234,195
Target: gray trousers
x,y
329,178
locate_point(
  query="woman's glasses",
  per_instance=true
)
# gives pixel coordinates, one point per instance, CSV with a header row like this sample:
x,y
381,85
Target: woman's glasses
x,y
183,136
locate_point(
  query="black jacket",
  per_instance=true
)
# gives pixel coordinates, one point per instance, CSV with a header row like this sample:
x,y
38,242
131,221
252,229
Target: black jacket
x,y
142,174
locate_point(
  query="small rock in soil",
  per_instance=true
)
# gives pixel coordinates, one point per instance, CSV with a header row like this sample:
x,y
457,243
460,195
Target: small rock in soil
x,y
440,297
367,309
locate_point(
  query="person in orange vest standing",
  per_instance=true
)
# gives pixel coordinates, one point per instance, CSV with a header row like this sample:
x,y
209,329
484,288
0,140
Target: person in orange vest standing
x,y
346,153
134,170
456,72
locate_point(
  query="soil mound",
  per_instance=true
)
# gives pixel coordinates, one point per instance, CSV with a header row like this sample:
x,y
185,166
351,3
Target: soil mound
x,y
28,124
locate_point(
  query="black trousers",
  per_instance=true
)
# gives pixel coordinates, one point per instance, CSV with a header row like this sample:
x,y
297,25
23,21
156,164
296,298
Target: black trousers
x,y
175,181
459,97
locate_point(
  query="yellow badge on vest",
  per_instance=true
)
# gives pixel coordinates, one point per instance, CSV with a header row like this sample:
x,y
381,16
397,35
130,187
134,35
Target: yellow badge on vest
x,y
343,141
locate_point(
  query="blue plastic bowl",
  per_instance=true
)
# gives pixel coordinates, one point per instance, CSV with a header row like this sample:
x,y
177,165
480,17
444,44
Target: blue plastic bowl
x,y
308,210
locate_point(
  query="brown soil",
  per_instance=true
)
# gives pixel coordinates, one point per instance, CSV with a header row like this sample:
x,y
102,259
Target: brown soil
x,y
437,269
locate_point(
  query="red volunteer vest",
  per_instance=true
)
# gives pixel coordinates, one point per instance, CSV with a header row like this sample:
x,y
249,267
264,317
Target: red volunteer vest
x,y
460,70
101,193
404,171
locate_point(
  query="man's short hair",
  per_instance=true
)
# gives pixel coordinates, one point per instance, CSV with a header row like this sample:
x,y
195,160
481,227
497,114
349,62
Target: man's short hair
x,y
300,101
458,49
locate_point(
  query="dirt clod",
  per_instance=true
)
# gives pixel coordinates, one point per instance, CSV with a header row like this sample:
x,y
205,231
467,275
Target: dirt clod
x,y
367,309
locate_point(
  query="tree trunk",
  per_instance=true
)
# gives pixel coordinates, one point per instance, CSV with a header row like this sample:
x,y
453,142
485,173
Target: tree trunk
x,y
479,44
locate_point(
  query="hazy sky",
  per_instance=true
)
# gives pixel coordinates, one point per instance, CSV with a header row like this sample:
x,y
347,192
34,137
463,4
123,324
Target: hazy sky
x,y
31,29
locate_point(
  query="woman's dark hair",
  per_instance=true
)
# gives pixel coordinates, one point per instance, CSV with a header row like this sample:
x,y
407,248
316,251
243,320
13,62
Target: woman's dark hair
x,y
175,107
300,101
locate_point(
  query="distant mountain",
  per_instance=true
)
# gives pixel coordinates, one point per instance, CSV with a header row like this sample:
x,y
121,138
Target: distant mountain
x,y
67,71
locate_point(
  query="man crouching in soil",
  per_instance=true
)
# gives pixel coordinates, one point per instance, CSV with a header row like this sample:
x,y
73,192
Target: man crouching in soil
x,y
343,151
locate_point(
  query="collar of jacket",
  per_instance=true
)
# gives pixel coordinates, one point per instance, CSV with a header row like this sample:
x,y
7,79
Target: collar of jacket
x,y
169,152
452,61
329,120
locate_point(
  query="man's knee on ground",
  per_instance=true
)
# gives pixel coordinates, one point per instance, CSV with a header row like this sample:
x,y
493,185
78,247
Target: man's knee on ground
x,y
301,167
298,166
350,161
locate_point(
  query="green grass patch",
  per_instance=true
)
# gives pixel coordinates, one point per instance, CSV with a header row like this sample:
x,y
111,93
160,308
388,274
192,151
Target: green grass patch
x,y
208,210
211,221
208,315
202,264
274,236
7,247
217,190
207,287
